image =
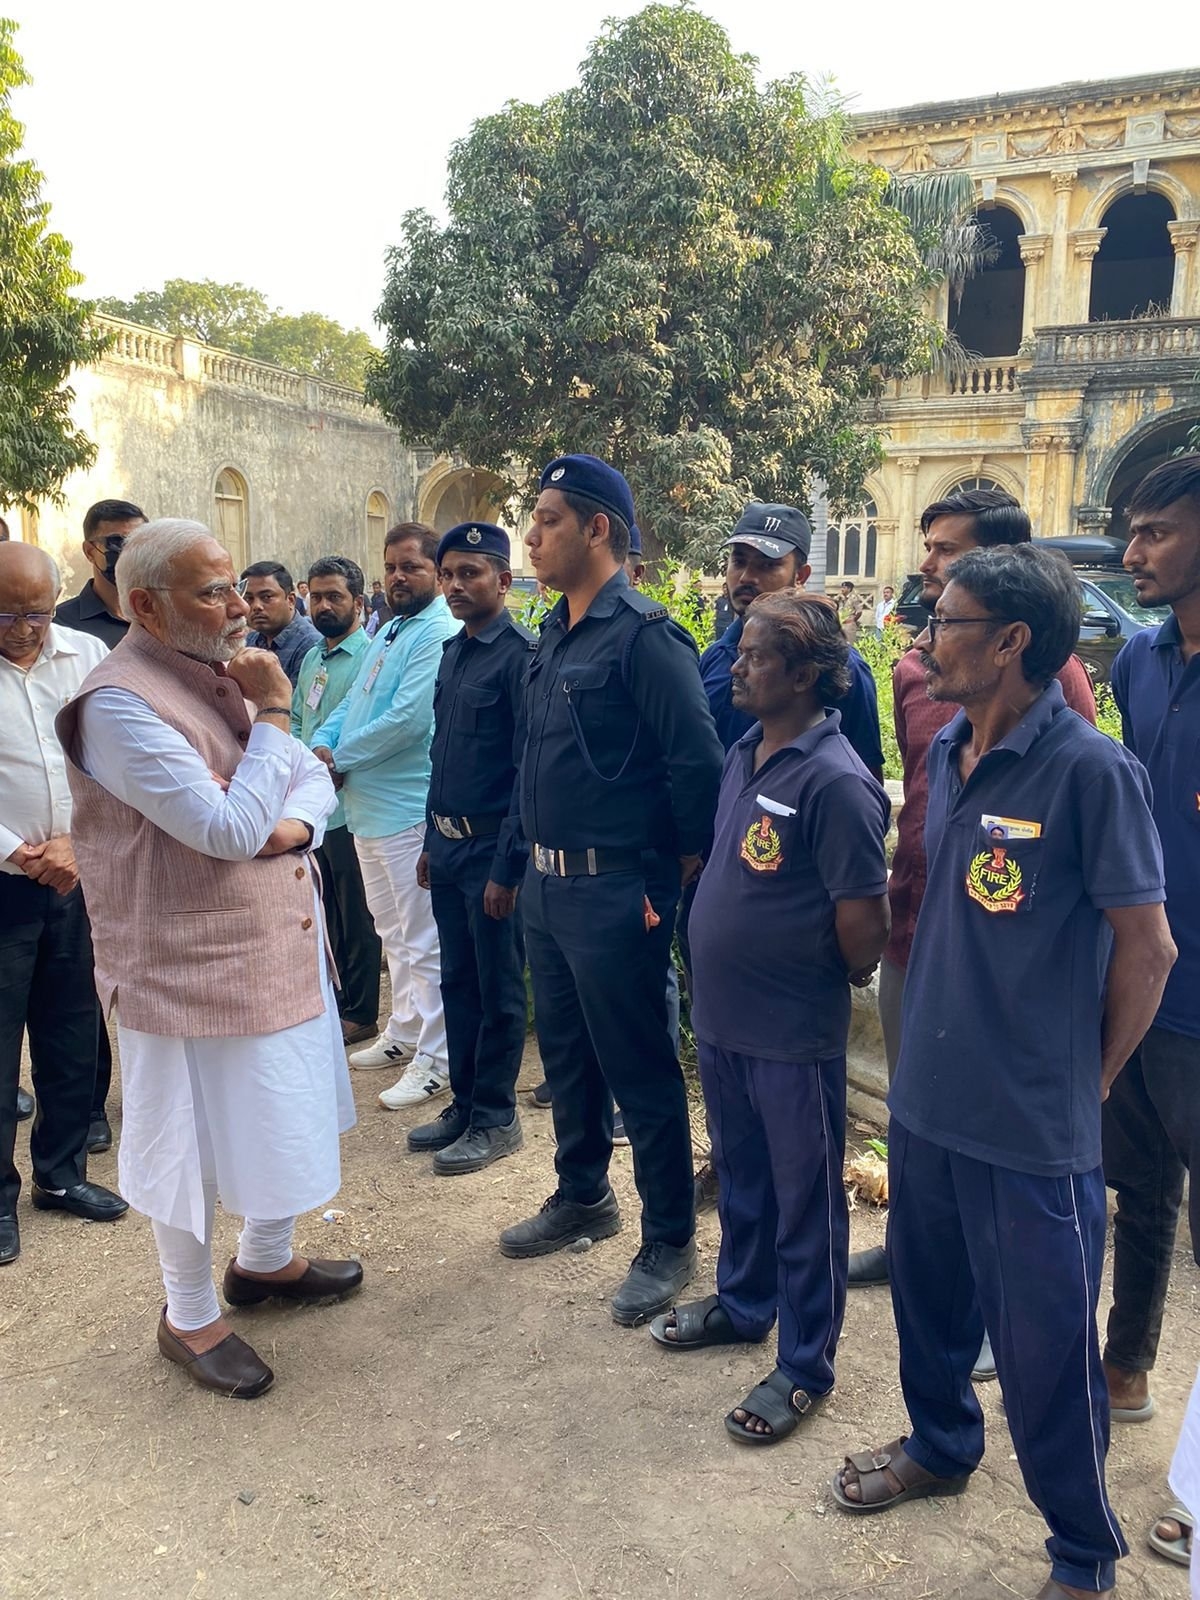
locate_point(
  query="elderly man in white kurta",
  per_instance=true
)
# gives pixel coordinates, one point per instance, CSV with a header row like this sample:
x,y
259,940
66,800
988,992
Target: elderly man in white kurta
x,y
195,814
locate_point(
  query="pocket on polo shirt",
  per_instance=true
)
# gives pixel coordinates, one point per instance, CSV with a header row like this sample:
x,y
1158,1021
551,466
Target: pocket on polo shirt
x,y
1002,874
766,846
475,707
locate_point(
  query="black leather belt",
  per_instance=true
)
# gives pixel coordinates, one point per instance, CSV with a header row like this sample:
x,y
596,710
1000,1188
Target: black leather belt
x,y
467,827
583,863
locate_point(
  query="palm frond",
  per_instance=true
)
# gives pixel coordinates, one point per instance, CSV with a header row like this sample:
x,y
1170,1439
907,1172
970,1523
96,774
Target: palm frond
x,y
940,208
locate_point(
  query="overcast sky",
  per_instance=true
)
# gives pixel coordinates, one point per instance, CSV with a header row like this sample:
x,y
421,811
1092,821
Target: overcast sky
x,y
280,144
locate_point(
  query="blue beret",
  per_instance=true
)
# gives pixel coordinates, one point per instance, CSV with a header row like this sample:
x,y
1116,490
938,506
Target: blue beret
x,y
593,478
635,539
484,538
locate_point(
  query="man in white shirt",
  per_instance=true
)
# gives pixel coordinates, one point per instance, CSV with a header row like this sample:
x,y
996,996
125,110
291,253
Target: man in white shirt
x,y
885,608
46,982
195,815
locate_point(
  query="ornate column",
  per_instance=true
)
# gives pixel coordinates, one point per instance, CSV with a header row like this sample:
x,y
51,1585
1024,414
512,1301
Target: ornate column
x,y
1085,242
1063,183
1033,253
886,567
1052,447
1092,520
1185,291
906,533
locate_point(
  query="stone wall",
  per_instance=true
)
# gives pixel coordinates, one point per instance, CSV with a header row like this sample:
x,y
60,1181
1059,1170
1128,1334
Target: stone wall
x,y
169,416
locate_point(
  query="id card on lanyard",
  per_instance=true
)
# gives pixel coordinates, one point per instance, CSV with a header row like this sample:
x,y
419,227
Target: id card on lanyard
x,y
369,682
313,698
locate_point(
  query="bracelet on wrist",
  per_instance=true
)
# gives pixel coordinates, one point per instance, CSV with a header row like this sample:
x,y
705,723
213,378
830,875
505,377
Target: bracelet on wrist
x,y
274,711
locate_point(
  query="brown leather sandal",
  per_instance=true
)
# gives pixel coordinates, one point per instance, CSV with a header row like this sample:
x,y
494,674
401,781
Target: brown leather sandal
x,y
876,1486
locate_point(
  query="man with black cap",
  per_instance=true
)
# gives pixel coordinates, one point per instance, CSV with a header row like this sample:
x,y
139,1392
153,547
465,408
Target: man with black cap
x,y
618,791
474,856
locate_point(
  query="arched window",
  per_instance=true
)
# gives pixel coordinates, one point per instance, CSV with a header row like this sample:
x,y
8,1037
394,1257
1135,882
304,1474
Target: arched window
x,y
988,313
1134,268
233,516
379,515
965,485
851,545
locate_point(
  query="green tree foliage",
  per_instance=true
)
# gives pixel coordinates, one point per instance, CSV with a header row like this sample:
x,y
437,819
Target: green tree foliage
x,y
44,330
235,317
667,265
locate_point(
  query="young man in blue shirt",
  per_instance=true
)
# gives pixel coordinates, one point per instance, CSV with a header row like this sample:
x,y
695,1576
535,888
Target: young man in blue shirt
x,y
1039,958
377,743
791,909
1152,1117
475,854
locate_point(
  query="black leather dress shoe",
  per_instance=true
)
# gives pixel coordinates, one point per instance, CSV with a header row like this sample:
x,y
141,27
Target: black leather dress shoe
x,y
559,1223
656,1275
99,1136
26,1105
10,1240
449,1125
867,1267
478,1148
91,1201
230,1368
323,1280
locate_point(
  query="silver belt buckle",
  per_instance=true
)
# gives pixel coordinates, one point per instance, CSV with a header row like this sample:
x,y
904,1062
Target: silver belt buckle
x,y
544,859
445,826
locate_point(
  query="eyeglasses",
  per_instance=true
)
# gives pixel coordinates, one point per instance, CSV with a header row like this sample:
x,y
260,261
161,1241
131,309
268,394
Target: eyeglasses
x,y
215,594
935,623
35,619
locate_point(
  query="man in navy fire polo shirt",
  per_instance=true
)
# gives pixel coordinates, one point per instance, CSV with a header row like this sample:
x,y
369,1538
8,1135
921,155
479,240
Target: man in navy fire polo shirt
x,y
1152,1117
791,909
1037,966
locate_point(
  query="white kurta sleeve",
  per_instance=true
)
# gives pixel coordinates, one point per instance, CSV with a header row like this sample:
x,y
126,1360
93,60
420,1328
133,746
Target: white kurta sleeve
x,y
150,766
311,797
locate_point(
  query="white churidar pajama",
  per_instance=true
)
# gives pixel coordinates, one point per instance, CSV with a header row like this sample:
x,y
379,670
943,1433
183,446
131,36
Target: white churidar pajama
x,y
403,915
252,1119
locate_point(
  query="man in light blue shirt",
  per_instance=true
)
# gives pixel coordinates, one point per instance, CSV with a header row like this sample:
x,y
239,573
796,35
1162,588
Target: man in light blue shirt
x,y
376,744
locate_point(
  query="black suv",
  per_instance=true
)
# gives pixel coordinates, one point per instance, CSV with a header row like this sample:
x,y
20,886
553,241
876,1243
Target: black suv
x,y
1111,613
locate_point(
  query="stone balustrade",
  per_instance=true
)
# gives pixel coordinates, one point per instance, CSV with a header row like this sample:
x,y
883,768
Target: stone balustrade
x,y
189,359
1100,343
999,378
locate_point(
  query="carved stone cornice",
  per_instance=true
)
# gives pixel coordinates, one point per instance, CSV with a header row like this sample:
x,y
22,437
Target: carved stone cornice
x,y
1044,438
1033,247
1086,241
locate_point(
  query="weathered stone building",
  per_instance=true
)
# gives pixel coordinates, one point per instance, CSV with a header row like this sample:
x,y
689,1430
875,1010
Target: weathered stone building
x,y
1085,327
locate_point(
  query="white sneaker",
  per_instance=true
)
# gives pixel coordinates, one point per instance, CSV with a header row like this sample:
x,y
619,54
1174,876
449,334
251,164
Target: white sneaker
x,y
383,1053
423,1080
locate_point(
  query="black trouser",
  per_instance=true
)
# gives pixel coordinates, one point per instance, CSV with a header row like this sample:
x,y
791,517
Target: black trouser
x,y
483,982
600,1009
47,988
357,951
1151,1123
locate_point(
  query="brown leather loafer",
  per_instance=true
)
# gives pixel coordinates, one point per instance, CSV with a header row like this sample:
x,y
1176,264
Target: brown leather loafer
x,y
230,1368
359,1032
324,1280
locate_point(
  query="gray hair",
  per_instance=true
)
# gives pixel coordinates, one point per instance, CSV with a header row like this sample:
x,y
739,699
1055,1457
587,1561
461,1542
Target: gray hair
x,y
22,551
149,554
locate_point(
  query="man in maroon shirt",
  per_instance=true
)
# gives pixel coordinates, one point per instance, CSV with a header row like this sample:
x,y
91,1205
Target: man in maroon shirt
x,y
949,528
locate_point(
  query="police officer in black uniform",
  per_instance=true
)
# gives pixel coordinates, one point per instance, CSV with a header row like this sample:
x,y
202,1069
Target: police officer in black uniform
x,y
475,856
618,791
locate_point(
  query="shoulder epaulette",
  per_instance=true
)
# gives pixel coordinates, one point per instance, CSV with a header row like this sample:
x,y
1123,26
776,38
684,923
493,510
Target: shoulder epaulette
x,y
649,610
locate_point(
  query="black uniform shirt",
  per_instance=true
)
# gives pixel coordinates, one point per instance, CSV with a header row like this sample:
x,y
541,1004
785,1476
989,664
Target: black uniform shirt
x,y
479,732
638,764
87,613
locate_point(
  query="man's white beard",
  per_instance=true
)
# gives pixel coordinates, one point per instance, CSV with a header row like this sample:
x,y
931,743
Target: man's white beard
x,y
192,640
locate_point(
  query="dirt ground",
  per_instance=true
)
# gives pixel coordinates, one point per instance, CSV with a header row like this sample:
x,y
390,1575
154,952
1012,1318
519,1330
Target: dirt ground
x,y
474,1427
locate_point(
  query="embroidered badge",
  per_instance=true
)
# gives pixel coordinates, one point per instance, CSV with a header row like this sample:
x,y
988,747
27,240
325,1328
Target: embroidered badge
x,y
557,474
994,881
473,536
762,847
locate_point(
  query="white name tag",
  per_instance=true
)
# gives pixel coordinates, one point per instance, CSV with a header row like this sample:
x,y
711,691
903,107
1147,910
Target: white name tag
x,y
775,807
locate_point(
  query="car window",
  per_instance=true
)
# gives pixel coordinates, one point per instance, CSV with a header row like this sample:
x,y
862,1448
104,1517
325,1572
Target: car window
x,y
1118,587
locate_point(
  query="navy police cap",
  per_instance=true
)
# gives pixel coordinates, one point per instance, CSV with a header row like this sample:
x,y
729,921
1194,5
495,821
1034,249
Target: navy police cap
x,y
485,538
635,539
772,530
592,478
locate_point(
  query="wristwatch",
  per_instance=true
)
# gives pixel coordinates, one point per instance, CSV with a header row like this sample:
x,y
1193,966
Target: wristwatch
x,y
299,849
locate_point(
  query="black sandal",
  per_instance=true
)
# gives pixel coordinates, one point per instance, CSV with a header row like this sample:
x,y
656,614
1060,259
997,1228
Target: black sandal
x,y
777,1401
697,1325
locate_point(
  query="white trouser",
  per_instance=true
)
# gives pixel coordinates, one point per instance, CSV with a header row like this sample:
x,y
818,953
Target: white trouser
x,y
186,1262
403,914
